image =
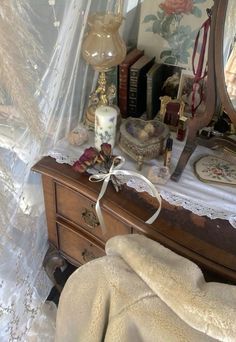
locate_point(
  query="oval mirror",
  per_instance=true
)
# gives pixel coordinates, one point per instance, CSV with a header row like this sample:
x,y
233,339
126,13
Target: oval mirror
x,y
221,55
229,51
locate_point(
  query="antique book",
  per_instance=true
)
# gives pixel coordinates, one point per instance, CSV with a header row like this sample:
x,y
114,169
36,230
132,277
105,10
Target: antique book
x,y
124,67
138,85
154,87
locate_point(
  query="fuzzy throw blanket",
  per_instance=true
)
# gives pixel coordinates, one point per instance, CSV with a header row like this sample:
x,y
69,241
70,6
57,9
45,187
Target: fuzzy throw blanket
x,y
142,291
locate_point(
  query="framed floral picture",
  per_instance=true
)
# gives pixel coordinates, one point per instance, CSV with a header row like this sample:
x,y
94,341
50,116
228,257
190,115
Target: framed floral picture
x,y
185,93
168,29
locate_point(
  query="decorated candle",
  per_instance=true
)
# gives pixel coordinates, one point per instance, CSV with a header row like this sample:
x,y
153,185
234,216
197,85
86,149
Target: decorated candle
x,y
105,126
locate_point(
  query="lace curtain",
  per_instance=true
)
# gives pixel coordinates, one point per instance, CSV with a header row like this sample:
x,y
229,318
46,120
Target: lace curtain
x,y
44,88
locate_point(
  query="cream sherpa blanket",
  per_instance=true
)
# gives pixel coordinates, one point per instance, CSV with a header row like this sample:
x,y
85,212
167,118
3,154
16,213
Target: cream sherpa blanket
x,y
142,291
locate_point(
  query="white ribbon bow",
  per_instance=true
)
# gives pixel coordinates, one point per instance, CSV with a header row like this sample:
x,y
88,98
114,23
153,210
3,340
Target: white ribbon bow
x,y
115,170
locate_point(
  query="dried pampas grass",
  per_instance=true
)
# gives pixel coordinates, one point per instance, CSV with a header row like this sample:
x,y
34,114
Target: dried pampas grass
x,y
20,49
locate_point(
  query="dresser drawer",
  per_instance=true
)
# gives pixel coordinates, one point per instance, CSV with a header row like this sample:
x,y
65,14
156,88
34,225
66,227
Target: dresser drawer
x,y
77,246
81,211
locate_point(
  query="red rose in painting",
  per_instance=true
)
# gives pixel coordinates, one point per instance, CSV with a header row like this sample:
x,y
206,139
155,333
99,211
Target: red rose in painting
x,y
177,6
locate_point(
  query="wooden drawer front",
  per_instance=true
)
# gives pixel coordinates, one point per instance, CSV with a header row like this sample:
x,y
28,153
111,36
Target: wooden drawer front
x,y
81,211
76,246
73,206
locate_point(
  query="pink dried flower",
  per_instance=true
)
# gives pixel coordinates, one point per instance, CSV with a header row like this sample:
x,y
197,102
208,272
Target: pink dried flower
x,y
92,156
89,156
86,161
83,158
101,158
91,153
79,167
106,149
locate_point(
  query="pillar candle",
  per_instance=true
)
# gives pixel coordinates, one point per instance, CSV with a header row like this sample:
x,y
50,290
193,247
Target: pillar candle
x,y
105,126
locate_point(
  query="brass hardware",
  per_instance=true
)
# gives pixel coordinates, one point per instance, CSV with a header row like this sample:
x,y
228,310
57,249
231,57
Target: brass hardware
x,y
90,218
87,255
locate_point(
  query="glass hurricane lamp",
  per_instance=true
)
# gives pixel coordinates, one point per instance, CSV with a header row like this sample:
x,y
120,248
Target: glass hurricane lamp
x,y
103,48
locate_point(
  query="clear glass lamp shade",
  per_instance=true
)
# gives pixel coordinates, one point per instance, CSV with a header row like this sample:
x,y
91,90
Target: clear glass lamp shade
x,y
103,46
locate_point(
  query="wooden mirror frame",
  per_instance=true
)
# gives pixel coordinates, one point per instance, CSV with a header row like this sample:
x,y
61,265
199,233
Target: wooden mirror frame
x,y
216,87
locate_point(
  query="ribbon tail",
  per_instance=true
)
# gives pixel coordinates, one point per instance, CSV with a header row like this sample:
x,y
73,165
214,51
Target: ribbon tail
x,y
97,206
158,197
97,178
154,216
154,191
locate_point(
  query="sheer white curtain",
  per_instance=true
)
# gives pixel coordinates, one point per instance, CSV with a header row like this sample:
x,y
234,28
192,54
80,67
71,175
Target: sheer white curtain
x,y
44,87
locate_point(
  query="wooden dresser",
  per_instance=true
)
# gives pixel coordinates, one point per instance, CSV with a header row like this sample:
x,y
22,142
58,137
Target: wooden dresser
x,y
74,232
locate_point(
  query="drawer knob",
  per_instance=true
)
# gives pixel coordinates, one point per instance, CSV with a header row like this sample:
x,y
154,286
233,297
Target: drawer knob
x,y
87,255
90,218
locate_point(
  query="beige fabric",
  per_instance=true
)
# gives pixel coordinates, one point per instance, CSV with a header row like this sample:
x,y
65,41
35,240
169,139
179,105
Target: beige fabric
x,y
141,291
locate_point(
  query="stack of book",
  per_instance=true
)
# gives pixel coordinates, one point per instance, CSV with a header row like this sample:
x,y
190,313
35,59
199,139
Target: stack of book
x,y
140,84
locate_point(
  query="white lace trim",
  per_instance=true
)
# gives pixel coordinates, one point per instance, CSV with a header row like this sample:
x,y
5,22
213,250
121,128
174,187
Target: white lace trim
x,y
198,206
62,159
208,201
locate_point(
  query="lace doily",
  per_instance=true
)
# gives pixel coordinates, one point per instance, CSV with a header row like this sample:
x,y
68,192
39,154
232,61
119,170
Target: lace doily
x,y
198,208
198,197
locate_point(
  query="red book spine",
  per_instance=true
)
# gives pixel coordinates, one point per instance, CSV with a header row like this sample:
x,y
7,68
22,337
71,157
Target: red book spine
x,y
123,89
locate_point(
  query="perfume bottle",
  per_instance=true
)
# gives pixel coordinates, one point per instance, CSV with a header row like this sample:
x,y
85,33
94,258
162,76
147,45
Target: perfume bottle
x,y
168,152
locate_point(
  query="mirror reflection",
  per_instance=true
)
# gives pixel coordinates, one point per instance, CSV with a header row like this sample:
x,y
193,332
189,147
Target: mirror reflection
x,y
230,51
